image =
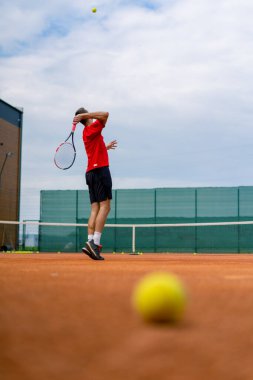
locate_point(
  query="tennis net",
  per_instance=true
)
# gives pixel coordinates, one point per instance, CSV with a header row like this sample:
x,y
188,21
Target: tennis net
x,y
215,237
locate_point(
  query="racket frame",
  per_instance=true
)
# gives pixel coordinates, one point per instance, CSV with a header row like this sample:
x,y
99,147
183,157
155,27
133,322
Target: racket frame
x,y
71,135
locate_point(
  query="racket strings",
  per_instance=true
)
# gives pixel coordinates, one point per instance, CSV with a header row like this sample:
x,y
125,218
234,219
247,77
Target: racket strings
x,y
65,156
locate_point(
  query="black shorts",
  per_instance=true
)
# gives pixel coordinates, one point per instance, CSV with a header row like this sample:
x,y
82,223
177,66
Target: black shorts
x,y
99,182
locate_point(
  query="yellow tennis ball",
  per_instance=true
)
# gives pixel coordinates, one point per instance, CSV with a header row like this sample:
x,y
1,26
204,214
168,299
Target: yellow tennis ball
x,y
159,297
94,10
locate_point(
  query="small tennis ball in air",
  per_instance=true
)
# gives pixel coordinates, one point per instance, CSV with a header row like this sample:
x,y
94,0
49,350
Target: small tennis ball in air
x,y
159,298
94,10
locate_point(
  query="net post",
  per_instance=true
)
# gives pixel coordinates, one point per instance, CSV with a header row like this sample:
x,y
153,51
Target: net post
x,y
23,235
133,239
115,219
77,229
196,221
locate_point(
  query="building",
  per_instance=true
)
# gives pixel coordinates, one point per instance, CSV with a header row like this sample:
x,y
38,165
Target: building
x,y
10,172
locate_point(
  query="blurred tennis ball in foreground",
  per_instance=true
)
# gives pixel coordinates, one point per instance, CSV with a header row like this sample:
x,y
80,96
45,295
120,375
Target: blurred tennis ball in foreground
x,y
160,297
94,10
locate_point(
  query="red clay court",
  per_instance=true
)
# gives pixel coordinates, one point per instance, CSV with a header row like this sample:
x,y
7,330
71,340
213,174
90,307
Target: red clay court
x,y
64,316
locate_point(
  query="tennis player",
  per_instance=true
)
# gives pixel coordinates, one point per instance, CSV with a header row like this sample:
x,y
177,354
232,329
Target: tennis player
x,y
98,177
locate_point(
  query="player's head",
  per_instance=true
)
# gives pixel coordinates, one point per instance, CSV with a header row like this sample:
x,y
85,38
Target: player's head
x,y
82,110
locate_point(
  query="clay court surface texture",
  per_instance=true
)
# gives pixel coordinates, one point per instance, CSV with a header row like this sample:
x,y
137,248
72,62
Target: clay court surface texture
x,y
64,316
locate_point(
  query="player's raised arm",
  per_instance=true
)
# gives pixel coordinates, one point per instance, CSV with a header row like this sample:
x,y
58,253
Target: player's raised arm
x,y
99,115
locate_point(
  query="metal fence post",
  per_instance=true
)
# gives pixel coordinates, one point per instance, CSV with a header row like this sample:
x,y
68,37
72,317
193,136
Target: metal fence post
x,y
196,221
133,239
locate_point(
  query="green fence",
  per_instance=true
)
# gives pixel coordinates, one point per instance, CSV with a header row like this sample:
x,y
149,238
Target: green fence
x,y
153,206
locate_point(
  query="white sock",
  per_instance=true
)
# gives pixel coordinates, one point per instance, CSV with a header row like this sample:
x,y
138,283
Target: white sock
x,y
97,237
90,237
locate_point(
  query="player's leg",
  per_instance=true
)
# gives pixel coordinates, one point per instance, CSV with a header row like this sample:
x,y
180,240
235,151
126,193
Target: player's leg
x,y
104,209
92,220
94,247
91,182
91,227
103,190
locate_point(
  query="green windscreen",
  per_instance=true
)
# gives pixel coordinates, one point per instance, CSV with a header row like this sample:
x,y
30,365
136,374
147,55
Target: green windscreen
x,y
153,206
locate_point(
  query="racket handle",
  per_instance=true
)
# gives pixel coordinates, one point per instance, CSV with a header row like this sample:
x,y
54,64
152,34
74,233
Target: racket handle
x,y
73,127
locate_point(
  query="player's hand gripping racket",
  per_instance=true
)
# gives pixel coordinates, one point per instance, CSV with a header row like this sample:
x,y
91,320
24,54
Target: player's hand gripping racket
x,y
65,154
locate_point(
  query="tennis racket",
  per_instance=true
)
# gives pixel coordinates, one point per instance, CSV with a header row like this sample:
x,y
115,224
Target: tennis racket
x,y
65,154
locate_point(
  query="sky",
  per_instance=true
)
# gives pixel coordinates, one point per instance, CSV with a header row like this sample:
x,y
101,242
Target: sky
x,y
175,76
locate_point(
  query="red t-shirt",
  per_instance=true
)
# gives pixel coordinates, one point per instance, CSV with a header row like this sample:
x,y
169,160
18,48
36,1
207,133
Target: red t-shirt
x,y
94,145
